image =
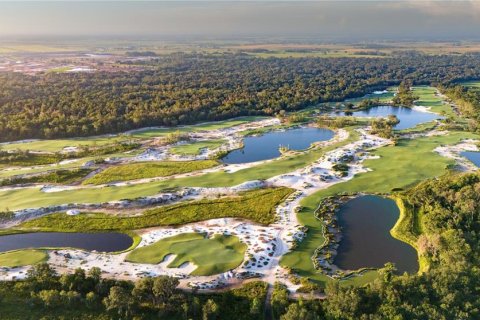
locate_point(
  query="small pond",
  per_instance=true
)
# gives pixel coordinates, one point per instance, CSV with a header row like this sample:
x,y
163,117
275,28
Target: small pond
x,y
266,146
366,241
102,242
473,156
408,118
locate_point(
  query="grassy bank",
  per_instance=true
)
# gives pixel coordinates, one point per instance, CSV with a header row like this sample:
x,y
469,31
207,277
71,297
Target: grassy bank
x,y
20,258
256,205
408,229
211,255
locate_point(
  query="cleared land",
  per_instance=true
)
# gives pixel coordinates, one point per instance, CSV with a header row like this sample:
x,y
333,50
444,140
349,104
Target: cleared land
x,y
211,256
145,170
256,205
192,149
22,258
401,166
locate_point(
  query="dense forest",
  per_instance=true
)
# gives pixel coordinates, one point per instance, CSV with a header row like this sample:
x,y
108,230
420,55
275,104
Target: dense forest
x,y
448,209
186,88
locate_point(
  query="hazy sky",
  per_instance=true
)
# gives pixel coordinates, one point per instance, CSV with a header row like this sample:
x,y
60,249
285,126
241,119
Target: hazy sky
x,y
327,20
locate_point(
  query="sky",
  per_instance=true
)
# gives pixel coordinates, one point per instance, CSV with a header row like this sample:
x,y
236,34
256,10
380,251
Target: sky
x,y
321,20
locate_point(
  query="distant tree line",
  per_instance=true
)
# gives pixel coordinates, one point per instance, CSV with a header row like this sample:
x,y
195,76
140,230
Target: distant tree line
x,y
186,88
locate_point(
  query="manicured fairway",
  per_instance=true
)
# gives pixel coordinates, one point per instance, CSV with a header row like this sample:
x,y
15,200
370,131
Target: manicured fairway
x,y
472,84
429,98
144,170
34,198
22,258
60,144
255,205
192,149
211,256
383,97
410,162
149,133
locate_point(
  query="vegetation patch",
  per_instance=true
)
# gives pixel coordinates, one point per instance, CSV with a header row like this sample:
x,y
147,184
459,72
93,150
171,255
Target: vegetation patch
x,y
58,176
148,170
22,258
257,205
211,256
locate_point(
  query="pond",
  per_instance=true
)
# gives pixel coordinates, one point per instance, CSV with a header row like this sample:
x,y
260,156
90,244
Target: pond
x,y
266,146
408,117
102,242
366,241
473,156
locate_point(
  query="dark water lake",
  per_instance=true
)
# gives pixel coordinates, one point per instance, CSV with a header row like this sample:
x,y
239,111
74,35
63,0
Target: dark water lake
x,y
366,222
408,118
473,156
264,147
103,242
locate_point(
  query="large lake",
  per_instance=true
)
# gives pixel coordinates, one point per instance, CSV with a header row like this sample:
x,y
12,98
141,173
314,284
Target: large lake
x,y
473,156
103,242
409,118
266,146
366,241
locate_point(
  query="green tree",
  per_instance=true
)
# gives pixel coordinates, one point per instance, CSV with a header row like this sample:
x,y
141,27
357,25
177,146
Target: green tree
x,y
210,310
119,301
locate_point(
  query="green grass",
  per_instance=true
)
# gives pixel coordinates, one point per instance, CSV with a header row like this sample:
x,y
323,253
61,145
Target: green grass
x,y
59,144
419,128
211,256
401,166
33,197
408,228
384,97
150,133
22,258
472,84
428,98
193,149
256,205
144,170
